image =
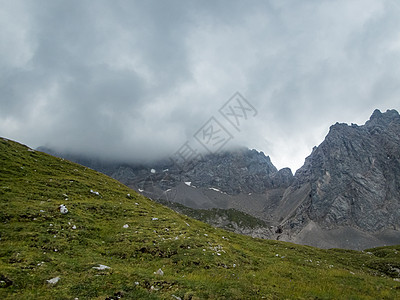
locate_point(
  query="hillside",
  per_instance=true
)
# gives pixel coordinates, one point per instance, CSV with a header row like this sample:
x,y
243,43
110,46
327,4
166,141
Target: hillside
x,y
113,241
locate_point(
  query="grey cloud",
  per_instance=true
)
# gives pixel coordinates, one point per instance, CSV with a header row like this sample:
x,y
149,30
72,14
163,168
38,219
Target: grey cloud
x,y
135,79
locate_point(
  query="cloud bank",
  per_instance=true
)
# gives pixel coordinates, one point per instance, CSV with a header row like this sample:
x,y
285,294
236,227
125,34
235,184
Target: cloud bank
x,y
134,80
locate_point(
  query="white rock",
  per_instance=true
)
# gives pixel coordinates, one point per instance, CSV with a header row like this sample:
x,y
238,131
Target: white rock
x,y
54,280
154,219
101,267
126,226
153,171
63,209
188,183
74,227
93,192
160,272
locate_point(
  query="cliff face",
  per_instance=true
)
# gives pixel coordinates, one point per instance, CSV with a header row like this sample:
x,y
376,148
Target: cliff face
x,y
351,180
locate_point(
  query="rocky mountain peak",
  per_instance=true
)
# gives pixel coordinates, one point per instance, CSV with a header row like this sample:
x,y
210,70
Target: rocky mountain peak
x,y
353,177
379,118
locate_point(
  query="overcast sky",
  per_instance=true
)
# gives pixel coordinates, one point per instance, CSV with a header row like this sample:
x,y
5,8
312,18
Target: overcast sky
x,y
135,80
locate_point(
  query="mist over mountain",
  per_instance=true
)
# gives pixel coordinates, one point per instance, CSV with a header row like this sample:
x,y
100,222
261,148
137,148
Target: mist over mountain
x,y
133,80
347,194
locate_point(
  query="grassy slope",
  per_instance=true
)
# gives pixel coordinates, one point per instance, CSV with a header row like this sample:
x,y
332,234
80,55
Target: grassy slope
x,y
213,216
200,262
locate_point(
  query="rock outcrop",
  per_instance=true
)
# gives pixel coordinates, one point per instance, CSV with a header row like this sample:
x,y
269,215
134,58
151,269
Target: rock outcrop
x,y
351,180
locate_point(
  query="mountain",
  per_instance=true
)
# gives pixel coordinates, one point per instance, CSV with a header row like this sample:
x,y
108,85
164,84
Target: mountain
x,y
69,232
238,180
347,194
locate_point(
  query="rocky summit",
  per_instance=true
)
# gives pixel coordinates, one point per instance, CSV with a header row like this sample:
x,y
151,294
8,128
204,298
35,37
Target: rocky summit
x,y
347,193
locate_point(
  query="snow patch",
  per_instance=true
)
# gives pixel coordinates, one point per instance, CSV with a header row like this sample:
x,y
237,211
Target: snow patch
x,y
216,190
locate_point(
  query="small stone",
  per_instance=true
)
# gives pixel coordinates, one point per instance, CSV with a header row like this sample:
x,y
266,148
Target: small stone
x,y
96,193
74,227
160,272
53,280
63,209
101,267
126,226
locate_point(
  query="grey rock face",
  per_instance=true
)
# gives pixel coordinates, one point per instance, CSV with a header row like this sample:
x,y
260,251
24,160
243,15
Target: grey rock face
x,y
232,172
354,177
240,171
